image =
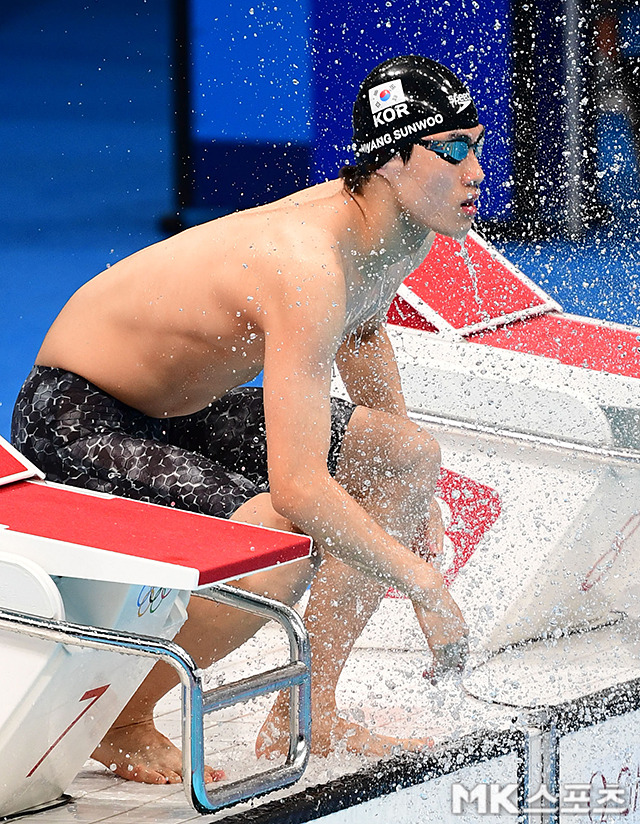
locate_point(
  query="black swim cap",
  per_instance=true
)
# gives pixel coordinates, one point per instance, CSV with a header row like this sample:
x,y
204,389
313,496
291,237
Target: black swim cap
x,y
404,99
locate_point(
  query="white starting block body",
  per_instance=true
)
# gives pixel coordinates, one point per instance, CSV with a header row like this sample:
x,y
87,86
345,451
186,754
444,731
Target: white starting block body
x,y
537,414
62,699
538,417
89,560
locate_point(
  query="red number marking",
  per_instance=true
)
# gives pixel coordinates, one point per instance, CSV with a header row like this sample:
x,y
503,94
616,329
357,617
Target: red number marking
x,y
608,558
93,694
474,509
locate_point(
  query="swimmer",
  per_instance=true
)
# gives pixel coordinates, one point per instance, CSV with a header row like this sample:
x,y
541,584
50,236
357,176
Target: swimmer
x,y
138,390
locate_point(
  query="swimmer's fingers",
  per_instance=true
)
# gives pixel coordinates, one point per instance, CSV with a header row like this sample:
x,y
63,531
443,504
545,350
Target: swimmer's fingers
x,y
447,658
429,542
451,656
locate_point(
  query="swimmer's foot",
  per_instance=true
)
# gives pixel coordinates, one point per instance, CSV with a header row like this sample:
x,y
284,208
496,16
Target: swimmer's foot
x,y
139,752
338,735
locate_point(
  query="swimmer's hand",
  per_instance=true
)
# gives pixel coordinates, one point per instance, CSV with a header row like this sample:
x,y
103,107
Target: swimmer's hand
x,y
446,633
447,658
442,623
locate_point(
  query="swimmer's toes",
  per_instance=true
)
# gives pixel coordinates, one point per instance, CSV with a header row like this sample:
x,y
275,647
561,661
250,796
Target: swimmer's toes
x,y
172,777
358,739
211,775
139,773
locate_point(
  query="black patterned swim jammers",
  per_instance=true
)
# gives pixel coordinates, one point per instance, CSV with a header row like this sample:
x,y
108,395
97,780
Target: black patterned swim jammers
x,y
210,462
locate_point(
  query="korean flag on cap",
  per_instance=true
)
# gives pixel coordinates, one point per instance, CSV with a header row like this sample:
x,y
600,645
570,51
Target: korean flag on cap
x,y
385,95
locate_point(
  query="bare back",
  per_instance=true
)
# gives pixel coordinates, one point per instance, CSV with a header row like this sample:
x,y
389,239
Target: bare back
x,y
178,324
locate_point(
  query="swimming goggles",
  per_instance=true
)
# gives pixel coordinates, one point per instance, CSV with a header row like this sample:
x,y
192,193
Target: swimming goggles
x,y
455,150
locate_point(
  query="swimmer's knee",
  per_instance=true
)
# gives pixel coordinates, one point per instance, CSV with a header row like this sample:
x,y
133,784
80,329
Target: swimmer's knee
x,y
427,447
404,444
259,511
418,455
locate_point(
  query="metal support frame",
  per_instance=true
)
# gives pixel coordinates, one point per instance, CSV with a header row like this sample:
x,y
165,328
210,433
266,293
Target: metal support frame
x,y
541,769
616,456
196,702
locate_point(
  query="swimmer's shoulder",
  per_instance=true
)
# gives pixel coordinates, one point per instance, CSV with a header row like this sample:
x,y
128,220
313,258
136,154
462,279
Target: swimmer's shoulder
x,y
300,231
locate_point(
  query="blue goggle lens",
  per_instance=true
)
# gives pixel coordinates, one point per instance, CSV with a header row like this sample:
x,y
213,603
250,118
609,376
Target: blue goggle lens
x,y
454,151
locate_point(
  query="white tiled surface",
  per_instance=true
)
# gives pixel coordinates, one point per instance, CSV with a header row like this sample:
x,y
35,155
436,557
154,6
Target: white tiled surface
x,y
381,687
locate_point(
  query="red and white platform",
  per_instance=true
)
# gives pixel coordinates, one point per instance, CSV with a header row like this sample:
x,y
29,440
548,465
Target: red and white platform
x,y
542,412
537,413
93,589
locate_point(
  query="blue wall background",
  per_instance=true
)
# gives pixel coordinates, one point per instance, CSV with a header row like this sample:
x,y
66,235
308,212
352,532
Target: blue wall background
x,y
284,73
251,75
87,149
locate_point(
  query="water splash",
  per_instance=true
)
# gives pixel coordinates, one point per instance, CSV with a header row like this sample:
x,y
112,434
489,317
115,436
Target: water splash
x,y
464,254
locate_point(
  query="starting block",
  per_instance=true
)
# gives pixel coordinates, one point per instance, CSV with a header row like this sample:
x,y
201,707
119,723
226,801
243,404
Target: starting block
x,y
539,411
86,578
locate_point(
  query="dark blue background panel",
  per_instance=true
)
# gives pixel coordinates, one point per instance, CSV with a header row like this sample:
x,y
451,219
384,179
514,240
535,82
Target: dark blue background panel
x,y
232,175
472,38
267,80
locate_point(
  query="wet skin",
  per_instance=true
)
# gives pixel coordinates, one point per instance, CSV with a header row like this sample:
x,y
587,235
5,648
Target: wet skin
x,y
180,323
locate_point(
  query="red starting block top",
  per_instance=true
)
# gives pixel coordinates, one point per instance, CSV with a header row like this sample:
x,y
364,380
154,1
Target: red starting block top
x,y
571,340
87,535
14,466
497,305
471,288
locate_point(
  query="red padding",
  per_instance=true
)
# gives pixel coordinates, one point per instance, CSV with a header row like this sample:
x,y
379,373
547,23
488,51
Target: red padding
x,y
219,549
402,313
570,340
11,467
445,283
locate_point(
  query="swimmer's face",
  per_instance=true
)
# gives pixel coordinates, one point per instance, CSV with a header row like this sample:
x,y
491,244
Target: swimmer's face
x,y
434,192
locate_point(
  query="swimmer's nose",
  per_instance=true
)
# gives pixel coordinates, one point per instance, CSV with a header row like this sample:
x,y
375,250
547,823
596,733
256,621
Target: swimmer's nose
x,y
473,173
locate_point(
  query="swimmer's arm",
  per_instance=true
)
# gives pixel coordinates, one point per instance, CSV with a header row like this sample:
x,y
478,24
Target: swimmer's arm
x,y
367,365
300,347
